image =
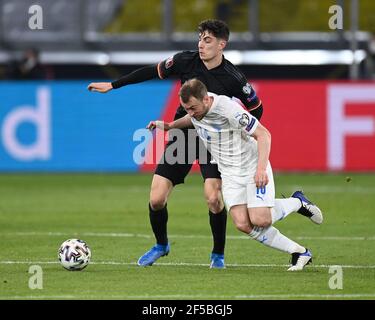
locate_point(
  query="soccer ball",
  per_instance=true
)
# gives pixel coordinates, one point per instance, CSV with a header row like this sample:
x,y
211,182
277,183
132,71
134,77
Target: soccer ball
x,y
74,254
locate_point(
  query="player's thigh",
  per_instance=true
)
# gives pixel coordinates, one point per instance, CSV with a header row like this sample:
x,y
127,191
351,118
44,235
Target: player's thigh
x,y
261,197
212,188
234,193
209,171
261,200
172,166
175,173
161,188
240,217
212,193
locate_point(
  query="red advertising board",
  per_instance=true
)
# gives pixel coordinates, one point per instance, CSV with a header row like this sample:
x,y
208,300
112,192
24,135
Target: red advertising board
x,y
316,125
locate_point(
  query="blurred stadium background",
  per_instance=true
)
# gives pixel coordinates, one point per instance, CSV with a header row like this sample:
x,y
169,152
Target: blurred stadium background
x,y
323,78
318,90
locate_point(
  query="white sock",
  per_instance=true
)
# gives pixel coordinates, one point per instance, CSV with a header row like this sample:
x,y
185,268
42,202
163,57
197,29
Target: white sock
x,y
284,207
273,238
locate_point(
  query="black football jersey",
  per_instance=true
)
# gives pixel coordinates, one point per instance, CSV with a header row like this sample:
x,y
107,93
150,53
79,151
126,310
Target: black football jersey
x,y
225,79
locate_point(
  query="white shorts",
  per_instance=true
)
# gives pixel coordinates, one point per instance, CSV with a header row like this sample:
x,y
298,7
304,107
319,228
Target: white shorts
x,y
242,190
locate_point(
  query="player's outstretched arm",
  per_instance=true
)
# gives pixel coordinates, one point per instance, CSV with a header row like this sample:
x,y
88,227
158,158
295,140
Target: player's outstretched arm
x,y
137,76
184,122
158,124
102,87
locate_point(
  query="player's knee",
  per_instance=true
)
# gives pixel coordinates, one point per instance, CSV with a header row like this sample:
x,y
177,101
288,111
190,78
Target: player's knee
x,y
243,227
262,221
157,202
214,203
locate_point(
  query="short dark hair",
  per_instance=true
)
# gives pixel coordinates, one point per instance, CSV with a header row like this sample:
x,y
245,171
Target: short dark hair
x,y
217,27
192,88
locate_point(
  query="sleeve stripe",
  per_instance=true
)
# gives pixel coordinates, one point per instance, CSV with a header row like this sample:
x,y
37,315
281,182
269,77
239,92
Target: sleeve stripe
x,y
159,71
257,106
250,125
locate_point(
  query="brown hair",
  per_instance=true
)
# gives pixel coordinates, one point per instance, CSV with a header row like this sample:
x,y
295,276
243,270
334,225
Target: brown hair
x,y
217,27
192,88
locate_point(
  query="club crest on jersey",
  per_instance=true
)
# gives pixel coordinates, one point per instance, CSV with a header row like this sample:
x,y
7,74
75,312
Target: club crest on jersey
x,y
244,120
247,89
169,63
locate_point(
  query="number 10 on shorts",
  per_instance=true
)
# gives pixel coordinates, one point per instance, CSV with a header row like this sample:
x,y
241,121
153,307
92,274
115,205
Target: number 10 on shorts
x,y
261,191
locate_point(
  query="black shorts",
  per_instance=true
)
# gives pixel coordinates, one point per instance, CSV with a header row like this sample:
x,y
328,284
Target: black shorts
x,y
175,165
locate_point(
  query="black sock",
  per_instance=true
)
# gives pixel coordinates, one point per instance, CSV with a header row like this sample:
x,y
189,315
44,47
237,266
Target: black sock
x,y
218,223
158,220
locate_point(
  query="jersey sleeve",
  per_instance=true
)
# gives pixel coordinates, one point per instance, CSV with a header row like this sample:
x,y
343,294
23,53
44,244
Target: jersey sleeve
x,y
244,91
174,65
239,118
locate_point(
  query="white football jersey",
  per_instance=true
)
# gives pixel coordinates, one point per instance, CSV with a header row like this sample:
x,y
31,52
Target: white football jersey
x,y
225,130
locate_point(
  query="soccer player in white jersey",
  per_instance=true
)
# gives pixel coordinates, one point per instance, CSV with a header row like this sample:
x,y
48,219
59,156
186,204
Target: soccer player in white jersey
x,y
241,146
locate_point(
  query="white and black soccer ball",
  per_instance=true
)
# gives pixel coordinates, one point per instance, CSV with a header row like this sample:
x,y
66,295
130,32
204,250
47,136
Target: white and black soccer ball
x,y
74,254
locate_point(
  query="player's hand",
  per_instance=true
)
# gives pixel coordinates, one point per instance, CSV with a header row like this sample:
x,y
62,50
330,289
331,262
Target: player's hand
x,y
101,87
159,125
261,178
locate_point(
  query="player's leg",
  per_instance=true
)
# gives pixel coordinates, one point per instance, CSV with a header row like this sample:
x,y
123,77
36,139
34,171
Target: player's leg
x,y
161,188
283,208
272,237
216,210
298,202
307,208
165,178
235,198
256,222
269,235
217,218
260,205
265,233
212,193
241,218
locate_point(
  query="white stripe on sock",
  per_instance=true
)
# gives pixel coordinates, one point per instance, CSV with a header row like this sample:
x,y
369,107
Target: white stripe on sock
x,y
272,237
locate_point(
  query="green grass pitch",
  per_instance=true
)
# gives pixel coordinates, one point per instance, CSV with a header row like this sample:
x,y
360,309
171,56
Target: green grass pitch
x,y
38,212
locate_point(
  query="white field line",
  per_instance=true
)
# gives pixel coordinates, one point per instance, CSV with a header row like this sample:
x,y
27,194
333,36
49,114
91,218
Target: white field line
x,y
346,187
182,236
320,189
198,296
188,264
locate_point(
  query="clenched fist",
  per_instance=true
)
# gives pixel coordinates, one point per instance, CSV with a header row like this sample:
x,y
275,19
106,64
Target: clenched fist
x,y
102,87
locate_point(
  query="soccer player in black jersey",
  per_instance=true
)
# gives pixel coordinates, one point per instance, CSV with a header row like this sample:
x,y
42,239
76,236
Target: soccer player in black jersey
x,y
209,65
